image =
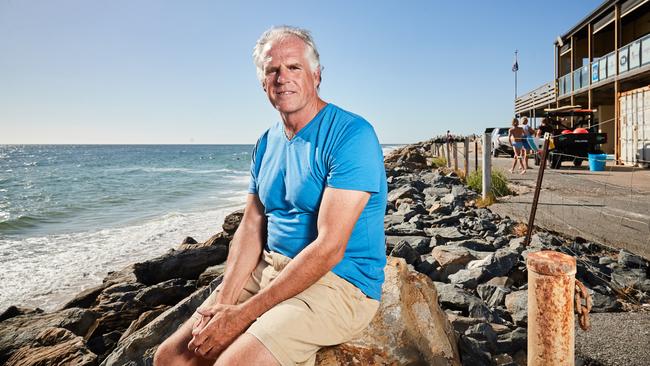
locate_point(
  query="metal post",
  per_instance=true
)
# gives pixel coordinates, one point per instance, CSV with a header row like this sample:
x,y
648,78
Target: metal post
x,y
466,153
455,155
551,290
538,187
487,163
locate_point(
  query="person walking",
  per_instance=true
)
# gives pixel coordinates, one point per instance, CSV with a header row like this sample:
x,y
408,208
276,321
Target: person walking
x,y
528,141
516,137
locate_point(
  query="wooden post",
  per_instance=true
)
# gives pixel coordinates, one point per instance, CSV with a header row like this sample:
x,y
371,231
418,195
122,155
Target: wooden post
x,y
448,155
466,153
475,155
455,155
487,163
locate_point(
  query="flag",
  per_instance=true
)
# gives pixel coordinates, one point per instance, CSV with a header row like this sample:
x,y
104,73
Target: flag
x,y
515,66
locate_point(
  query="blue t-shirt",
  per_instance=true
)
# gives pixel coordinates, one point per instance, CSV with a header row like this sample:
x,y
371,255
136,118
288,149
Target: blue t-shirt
x,y
335,149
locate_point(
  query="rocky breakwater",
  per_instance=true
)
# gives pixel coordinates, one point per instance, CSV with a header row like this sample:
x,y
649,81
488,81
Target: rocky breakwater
x,y
476,260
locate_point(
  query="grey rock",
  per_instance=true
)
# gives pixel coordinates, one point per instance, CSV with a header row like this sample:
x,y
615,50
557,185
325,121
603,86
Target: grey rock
x,y
500,242
476,244
447,255
513,341
86,298
496,264
517,244
231,221
517,305
454,298
445,234
467,278
483,332
503,359
404,250
427,266
394,219
404,229
473,353
604,304
605,261
634,278
436,192
493,295
419,243
166,293
479,310
13,311
449,220
544,240
187,264
210,274
405,191
630,260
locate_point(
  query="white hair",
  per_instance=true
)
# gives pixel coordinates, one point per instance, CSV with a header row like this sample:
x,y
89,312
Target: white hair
x,y
279,33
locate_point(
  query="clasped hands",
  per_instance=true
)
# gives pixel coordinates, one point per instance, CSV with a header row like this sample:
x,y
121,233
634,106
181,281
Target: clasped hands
x,y
218,327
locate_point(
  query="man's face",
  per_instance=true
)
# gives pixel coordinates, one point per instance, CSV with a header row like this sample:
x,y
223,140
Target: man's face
x,y
289,82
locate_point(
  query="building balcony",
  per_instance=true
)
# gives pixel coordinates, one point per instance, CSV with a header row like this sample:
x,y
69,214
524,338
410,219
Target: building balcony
x,y
633,56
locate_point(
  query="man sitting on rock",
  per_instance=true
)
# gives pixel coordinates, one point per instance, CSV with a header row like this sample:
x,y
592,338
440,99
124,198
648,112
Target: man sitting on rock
x,y
305,267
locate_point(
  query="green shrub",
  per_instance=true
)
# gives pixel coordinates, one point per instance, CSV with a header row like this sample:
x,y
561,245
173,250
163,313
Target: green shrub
x,y
499,183
439,161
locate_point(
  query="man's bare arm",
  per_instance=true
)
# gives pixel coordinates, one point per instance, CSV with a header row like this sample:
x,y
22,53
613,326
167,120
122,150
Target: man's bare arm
x,y
245,250
337,216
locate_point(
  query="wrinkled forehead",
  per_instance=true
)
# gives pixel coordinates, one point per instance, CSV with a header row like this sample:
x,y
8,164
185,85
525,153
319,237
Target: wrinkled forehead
x,y
286,47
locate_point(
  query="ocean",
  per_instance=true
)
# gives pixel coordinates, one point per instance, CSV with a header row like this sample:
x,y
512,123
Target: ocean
x,y
71,213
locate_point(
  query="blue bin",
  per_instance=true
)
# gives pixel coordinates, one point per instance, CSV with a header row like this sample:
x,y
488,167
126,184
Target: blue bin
x,y
597,162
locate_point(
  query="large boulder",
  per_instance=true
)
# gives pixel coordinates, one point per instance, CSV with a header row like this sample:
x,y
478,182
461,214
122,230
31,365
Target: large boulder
x,y
24,331
409,328
139,347
54,346
187,264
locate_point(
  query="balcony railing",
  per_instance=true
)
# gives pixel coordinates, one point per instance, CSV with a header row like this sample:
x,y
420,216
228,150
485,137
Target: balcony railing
x,y
630,57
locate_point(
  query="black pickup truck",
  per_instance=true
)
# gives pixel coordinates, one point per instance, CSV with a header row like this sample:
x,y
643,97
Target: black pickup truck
x,y
572,143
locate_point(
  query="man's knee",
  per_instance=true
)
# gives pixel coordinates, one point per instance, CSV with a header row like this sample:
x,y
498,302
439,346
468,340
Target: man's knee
x,y
164,354
172,349
246,350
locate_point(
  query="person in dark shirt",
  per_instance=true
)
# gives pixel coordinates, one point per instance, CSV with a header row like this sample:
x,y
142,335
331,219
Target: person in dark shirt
x,y
544,127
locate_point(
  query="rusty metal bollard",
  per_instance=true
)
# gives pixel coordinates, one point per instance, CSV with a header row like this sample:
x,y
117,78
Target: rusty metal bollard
x,y
551,291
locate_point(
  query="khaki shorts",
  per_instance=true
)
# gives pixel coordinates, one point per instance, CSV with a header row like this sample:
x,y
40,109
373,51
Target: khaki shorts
x,y
330,312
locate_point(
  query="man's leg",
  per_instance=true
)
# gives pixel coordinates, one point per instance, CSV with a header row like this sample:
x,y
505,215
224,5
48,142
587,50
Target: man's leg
x,y
173,351
246,350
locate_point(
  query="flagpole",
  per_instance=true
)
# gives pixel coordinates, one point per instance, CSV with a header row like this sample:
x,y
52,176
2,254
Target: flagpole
x,y
516,69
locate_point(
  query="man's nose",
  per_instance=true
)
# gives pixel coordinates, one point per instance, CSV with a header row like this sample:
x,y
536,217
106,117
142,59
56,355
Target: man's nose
x,y
282,76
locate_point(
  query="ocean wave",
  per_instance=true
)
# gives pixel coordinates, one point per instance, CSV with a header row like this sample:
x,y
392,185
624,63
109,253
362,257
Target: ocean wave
x,y
44,271
21,222
137,169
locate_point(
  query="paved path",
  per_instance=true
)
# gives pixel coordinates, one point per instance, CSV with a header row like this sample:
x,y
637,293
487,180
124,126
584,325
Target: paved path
x,y
616,339
610,207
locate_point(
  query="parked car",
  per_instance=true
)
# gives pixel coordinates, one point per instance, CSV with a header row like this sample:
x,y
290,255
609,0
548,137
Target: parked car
x,y
500,142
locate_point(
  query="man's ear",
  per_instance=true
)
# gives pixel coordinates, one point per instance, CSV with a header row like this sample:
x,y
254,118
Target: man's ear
x,y
264,85
317,77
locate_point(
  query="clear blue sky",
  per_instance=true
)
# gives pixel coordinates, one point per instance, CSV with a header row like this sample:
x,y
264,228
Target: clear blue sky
x,y
181,72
